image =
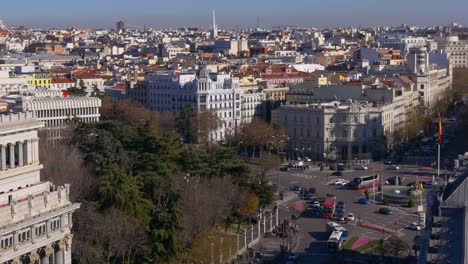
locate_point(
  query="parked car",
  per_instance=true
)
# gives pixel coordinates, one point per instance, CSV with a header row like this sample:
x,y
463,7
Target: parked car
x,y
415,226
393,167
363,200
307,159
316,204
340,204
361,167
385,210
350,217
388,162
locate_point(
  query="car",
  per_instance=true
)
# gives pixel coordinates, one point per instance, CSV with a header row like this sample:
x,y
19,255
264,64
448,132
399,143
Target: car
x,y
340,211
363,200
393,167
341,217
338,181
309,196
297,188
341,203
293,256
385,210
316,204
415,226
284,168
337,173
344,183
388,162
361,167
312,190
307,159
330,195
340,167
350,217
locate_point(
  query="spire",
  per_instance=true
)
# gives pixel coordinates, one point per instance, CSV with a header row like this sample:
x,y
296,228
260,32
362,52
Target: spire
x,y
214,28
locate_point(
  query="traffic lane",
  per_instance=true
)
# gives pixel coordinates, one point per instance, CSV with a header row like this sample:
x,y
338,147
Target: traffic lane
x,y
312,240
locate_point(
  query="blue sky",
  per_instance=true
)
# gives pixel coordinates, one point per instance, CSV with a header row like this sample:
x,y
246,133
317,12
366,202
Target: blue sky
x,y
232,14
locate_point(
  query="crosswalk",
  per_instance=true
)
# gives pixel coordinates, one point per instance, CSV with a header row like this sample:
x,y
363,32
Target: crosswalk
x,y
305,176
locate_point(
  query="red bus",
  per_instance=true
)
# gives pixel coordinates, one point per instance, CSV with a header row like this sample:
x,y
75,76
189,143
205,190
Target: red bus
x,y
328,207
365,182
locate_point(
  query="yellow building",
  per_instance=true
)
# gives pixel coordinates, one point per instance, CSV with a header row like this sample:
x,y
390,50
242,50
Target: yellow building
x,y
41,79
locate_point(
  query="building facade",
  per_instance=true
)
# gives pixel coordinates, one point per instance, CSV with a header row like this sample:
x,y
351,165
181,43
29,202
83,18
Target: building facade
x,y
35,216
456,48
335,131
57,112
218,93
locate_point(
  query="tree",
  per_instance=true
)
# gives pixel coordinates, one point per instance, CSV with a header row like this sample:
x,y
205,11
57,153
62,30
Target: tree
x,y
184,124
249,205
395,248
206,123
124,193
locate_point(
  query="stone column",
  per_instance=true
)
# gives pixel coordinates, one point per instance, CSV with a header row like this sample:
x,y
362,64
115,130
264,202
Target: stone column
x,y
20,154
12,155
28,152
47,252
33,151
59,253
36,150
3,165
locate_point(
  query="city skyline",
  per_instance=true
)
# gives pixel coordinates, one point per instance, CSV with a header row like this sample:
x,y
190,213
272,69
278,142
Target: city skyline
x,y
233,15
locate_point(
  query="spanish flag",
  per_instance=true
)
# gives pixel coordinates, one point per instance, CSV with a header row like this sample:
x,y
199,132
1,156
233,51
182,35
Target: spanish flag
x,y
440,130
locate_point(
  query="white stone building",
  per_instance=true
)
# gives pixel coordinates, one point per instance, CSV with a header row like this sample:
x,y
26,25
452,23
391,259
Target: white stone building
x,y
335,131
35,216
12,85
456,48
220,93
56,112
431,81
252,104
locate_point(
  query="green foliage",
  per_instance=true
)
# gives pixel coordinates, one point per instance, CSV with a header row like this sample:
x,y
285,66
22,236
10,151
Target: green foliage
x,y
123,192
219,162
135,169
137,173
184,124
76,91
386,202
411,203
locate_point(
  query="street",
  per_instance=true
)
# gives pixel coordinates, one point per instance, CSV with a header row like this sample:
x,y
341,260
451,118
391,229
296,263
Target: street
x,y
312,234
